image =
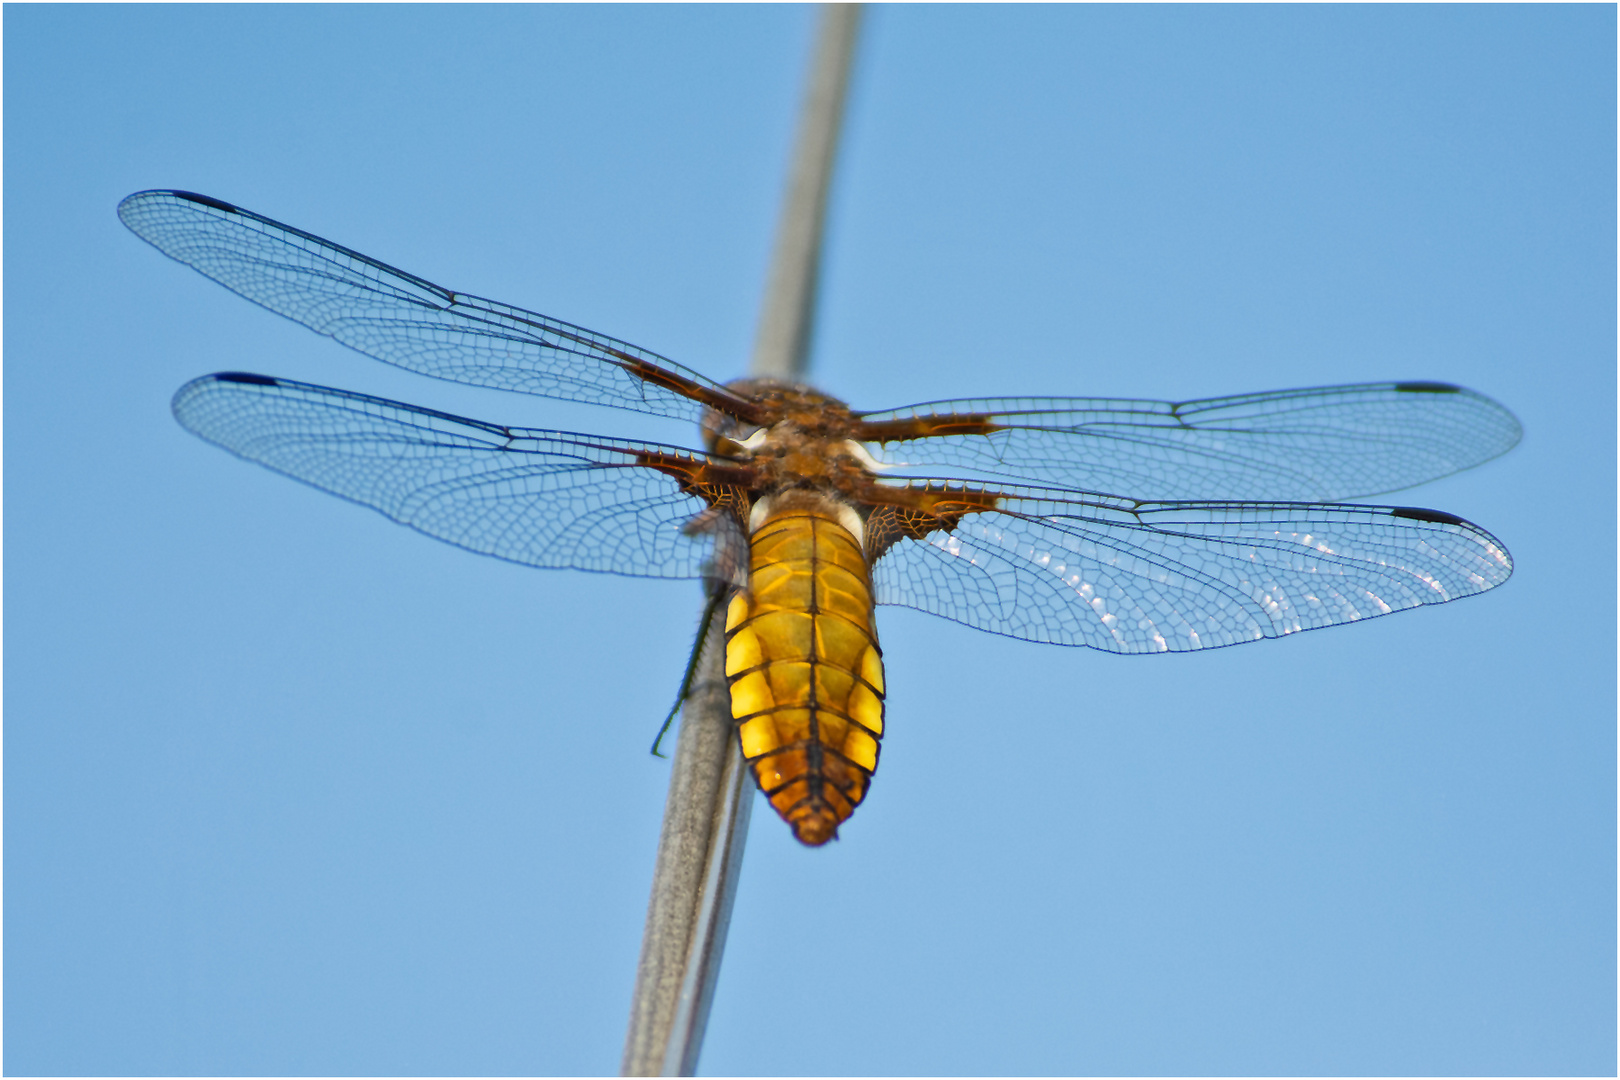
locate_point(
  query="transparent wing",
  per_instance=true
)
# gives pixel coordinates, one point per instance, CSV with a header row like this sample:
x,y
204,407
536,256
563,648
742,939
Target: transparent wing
x,y
403,320
1127,577
1317,445
541,498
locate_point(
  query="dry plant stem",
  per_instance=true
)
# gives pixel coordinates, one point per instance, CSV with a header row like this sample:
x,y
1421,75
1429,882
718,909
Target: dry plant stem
x,y
710,795
718,889
706,802
782,347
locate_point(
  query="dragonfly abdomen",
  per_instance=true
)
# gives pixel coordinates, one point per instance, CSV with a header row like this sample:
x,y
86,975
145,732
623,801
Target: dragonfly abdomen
x,y
805,670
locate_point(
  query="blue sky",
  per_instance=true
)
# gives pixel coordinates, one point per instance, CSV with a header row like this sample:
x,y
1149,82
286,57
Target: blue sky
x,y
290,789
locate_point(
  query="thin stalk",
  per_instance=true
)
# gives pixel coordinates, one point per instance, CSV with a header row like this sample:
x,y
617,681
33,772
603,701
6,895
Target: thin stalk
x,y
710,792
782,347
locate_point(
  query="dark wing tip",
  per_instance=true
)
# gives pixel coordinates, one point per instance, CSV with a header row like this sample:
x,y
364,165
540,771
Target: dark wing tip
x,y
206,200
1427,388
1417,513
244,377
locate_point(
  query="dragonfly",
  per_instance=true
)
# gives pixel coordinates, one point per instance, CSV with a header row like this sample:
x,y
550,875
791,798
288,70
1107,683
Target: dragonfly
x,y
1120,525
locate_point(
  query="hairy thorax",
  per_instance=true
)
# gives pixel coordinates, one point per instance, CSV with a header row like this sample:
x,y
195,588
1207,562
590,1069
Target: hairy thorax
x,y
804,444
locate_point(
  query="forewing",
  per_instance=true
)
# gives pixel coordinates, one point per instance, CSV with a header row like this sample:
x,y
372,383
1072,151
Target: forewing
x,y
403,320
541,498
1129,577
1316,445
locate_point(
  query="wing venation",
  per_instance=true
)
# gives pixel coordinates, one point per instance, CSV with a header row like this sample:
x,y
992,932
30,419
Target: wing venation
x,y
408,321
1313,445
1130,576
540,498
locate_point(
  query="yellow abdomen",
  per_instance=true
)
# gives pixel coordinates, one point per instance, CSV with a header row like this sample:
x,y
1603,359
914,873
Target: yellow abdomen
x,y
805,670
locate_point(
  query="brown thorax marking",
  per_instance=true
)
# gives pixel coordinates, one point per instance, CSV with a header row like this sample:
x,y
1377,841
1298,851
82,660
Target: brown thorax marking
x,y
802,442
807,452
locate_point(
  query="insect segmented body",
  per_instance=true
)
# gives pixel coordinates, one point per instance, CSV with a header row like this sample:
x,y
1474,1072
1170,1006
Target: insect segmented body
x,y
802,657
805,671
1011,515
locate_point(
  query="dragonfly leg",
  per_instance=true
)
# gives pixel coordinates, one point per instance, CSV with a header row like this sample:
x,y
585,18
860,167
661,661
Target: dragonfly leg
x,y
718,594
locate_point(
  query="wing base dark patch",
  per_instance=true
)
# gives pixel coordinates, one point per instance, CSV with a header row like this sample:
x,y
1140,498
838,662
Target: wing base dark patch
x,y
911,513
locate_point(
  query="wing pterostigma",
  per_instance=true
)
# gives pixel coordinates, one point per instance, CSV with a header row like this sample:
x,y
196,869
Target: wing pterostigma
x,y
541,498
1045,564
1322,444
1129,576
412,323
